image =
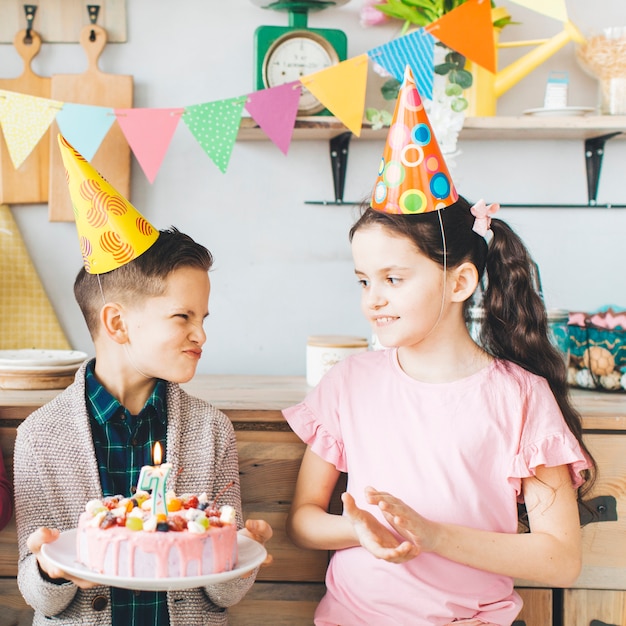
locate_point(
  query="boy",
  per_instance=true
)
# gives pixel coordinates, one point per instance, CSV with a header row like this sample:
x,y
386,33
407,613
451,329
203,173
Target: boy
x,y
145,317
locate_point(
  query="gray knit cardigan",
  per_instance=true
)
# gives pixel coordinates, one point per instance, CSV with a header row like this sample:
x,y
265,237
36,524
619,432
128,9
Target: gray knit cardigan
x,y
56,474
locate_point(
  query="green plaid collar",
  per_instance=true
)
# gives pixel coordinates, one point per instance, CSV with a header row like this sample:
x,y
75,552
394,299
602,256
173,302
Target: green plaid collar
x,y
103,406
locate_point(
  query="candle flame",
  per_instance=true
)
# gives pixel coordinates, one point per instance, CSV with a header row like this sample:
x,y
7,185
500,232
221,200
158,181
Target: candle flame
x,y
157,454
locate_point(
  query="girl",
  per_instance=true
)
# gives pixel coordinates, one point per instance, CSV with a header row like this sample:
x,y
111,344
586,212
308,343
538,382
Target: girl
x,y
441,438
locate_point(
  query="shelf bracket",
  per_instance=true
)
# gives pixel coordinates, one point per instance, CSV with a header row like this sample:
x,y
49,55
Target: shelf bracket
x,y
339,146
594,151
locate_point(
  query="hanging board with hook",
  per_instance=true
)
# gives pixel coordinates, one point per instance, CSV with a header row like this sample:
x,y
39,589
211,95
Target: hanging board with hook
x,y
29,183
60,21
96,88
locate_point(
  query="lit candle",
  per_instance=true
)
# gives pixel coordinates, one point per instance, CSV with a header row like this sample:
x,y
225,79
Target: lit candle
x,y
154,477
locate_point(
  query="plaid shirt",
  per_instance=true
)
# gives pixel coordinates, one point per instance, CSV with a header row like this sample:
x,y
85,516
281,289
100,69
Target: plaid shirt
x,y
123,444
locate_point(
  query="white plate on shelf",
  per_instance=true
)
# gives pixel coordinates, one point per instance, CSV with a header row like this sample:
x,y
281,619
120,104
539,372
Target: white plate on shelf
x,y
62,553
39,369
563,112
33,357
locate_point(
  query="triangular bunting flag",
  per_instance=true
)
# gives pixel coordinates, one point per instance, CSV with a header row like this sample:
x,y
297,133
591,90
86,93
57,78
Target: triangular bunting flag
x,y
149,133
275,111
551,8
215,126
415,50
24,120
341,89
85,126
468,30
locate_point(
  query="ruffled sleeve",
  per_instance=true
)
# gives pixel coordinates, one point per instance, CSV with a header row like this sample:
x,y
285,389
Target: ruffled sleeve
x,y
316,435
316,419
556,449
546,439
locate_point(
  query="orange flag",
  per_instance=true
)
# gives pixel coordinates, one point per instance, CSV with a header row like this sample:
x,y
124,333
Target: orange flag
x,y
469,31
341,89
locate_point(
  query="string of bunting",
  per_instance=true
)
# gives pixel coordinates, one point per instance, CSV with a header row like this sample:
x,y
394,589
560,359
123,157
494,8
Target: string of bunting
x,y
340,88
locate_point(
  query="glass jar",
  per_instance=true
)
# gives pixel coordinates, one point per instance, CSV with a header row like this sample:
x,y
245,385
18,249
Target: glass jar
x,y
323,351
558,331
476,315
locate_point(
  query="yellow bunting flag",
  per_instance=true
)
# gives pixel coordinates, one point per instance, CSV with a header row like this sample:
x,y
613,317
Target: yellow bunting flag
x,y
468,30
111,231
551,8
24,120
341,89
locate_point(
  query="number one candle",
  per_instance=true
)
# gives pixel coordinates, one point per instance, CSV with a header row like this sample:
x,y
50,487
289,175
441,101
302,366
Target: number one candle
x,y
154,477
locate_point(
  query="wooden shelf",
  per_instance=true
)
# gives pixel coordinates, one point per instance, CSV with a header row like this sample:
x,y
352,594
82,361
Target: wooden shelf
x,y
474,129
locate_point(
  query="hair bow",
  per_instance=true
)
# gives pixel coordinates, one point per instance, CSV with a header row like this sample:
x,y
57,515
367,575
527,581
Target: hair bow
x,y
482,212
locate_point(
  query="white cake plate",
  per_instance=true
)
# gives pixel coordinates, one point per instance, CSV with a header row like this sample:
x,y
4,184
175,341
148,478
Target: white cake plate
x,y
62,553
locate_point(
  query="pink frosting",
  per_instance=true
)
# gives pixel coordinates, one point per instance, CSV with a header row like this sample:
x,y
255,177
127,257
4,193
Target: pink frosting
x,y
118,551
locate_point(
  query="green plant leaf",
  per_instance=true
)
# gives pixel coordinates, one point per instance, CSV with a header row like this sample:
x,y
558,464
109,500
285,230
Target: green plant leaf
x,y
452,89
390,89
459,104
461,77
456,59
443,68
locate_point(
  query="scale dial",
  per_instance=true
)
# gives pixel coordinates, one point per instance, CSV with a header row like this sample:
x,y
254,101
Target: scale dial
x,y
294,55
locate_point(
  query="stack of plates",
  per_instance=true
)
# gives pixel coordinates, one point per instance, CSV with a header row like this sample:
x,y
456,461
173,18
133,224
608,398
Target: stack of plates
x,y
38,369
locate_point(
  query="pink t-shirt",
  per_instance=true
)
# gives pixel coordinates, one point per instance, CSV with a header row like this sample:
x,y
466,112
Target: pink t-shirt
x,y
454,452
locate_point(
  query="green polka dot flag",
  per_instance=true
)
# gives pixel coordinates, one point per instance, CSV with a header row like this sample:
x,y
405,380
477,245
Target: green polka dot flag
x,y
215,126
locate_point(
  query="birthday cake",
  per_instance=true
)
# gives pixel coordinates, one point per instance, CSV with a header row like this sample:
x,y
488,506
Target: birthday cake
x,y
121,537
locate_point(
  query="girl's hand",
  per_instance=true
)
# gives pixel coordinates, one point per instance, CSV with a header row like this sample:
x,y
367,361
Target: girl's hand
x,y
258,530
48,535
407,522
375,537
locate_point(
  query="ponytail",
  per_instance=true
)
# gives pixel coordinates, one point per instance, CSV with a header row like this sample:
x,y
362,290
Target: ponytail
x,y
515,326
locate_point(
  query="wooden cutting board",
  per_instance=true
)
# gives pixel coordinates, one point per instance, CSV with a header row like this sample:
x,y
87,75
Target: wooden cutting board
x,y
98,88
29,183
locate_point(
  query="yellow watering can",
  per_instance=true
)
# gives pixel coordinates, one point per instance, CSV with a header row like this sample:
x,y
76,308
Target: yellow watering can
x,y
487,87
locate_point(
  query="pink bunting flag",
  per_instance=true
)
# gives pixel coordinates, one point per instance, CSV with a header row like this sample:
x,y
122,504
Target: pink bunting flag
x,y
149,133
275,110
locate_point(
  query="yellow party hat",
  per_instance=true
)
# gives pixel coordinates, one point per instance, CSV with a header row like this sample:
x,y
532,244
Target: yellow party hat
x,y
413,176
111,231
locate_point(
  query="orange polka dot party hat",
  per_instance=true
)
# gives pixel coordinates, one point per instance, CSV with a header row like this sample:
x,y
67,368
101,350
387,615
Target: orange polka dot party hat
x,y
413,176
111,231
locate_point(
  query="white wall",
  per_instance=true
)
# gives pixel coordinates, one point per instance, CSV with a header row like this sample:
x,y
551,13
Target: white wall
x,y
283,268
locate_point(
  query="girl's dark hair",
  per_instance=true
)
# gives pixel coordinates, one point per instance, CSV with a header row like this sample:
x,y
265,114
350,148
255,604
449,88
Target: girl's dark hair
x,y
141,278
515,322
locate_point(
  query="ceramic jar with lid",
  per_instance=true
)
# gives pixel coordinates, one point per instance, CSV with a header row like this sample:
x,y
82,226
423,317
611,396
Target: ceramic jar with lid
x,y
323,351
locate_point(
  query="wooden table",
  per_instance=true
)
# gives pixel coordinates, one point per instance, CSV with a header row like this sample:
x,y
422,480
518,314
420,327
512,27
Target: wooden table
x,y
287,591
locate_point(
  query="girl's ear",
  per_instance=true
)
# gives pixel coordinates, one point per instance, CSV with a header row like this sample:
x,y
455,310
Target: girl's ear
x,y
112,322
465,282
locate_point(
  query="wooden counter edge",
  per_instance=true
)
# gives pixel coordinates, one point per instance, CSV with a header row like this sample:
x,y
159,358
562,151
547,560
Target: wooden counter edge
x,y
254,399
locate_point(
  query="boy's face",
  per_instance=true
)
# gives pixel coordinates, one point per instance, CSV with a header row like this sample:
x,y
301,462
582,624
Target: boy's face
x,y
165,333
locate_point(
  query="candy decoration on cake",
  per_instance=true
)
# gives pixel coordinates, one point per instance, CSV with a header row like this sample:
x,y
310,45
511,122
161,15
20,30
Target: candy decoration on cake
x,y
120,536
111,231
413,176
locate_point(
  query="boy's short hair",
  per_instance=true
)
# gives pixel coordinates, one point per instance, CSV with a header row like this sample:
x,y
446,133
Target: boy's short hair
x,y
143,277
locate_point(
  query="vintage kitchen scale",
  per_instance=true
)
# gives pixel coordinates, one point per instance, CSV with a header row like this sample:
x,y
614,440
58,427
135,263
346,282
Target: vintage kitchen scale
x,y
286,53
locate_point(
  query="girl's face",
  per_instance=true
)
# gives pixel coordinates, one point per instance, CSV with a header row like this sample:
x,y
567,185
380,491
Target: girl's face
x,y
166,333
402,288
